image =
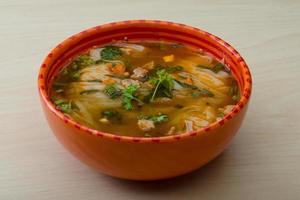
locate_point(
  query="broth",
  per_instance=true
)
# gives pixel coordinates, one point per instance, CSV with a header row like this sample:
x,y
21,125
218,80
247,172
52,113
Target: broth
x,y
145,89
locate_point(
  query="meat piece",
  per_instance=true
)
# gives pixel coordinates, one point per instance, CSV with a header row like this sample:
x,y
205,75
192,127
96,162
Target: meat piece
x,y
139,73
146,125
127,82
95,54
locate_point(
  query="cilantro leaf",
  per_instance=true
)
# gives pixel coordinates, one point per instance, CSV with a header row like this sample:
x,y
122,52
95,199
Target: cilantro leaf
x,y
174,69
163,83
157,119
112,91
112,115
62,105
128,95
111,53
216,68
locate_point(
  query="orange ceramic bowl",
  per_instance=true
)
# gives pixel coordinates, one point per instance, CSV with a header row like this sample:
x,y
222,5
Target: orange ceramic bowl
x,y
139,158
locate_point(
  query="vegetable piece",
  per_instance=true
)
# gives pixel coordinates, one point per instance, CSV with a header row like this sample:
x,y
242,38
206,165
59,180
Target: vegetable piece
x,y
189,80
169,58
88,91
139,73
157,119
81,61
146,125
110,53
95,54
112,91
163,83
112,115
206,92
174,69
118,68
234,91
185,85
218,67
128,96
202,92
62,105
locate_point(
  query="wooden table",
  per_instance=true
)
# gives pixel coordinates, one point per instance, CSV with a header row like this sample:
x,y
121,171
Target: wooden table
x,y
263,161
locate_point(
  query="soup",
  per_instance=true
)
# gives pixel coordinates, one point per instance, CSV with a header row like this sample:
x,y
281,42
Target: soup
x,y
145,89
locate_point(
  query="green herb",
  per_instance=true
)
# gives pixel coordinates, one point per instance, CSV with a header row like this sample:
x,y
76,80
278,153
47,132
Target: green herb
x,y
185,85
75,75
174,69
163,83
128,95
112,91
195,94
89,91
162,46
112,115
204,67
220,114
234,91
202,92
127,64
206,92
157,119
111,53
58,86
81,61
218,67
95,80
62,105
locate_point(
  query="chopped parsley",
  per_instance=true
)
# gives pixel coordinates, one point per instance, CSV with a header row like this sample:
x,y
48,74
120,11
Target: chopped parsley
x,y
128,95
89,91
112,115
81,61
163,83
112,91
111,53
157,119
186,85
174,69
62,105
216,68
234,91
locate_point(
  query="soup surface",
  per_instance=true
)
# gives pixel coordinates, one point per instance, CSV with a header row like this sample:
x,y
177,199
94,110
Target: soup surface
x,y
145,89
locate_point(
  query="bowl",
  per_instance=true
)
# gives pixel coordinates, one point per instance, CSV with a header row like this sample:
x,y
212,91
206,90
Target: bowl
x,y
139,158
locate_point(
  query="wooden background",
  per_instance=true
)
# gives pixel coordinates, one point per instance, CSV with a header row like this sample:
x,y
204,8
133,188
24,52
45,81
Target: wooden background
x,y
263,161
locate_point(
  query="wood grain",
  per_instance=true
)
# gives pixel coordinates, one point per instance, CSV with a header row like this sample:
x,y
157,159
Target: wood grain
x,y
263,161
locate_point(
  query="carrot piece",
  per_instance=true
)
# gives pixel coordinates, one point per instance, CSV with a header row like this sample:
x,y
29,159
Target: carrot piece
x,y
169,58
118,68
189,80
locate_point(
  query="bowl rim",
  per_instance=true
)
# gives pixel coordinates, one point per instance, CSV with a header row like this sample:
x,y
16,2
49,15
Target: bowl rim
x,y
245,95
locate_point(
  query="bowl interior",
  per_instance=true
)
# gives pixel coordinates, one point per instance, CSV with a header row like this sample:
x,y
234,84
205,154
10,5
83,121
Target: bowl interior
x,y
146,30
